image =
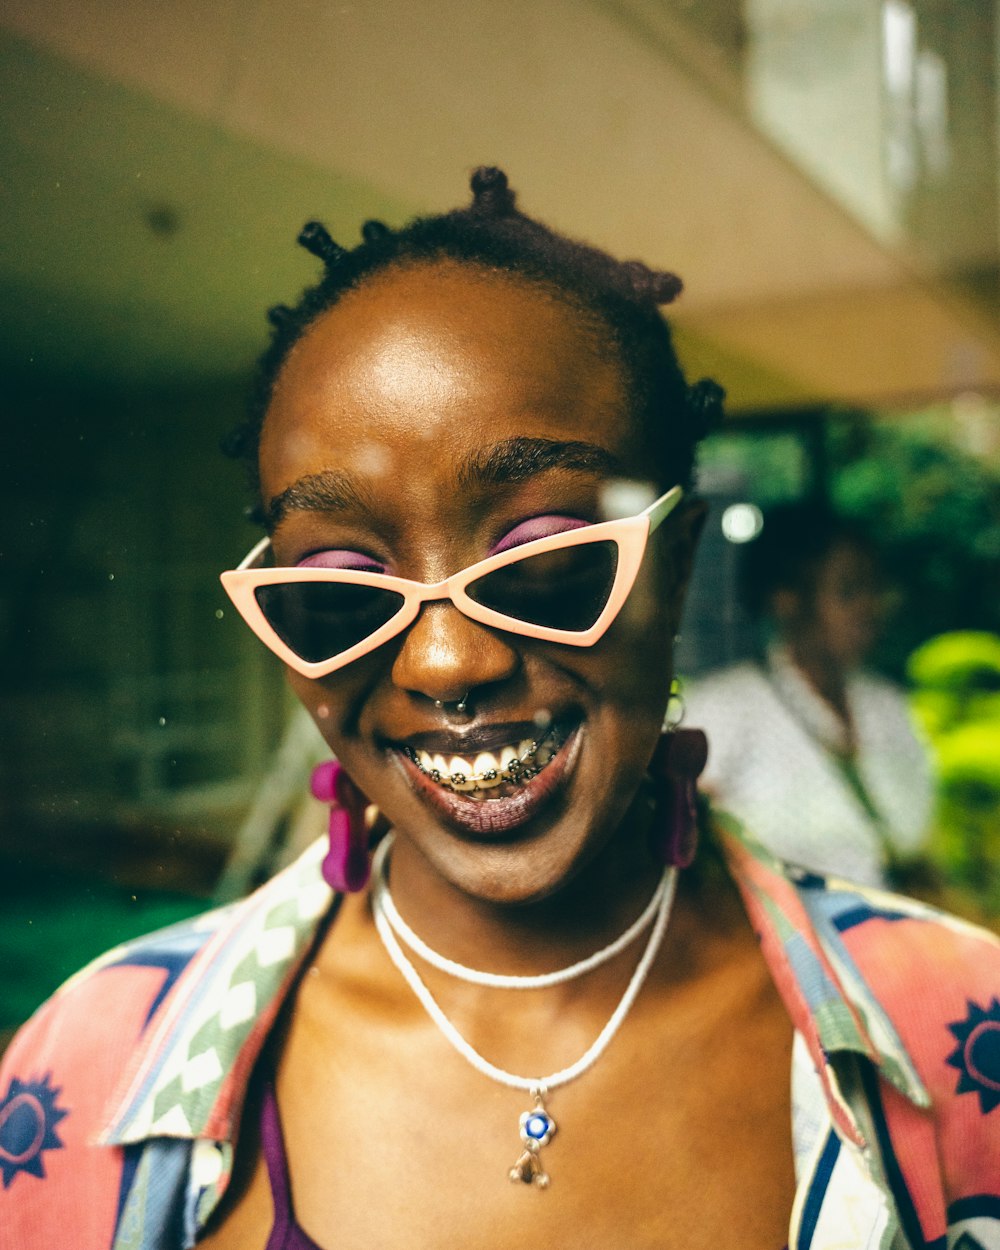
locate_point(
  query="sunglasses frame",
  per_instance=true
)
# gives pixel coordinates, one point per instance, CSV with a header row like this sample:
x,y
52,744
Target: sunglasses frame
x,y
630,535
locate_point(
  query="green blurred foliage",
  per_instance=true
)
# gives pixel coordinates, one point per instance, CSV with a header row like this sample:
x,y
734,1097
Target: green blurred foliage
x,y
927,486
956,679
934,510
956,697
962,663
776,464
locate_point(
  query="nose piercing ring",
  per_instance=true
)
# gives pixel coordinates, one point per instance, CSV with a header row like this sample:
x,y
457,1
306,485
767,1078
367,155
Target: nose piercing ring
x,y
460,706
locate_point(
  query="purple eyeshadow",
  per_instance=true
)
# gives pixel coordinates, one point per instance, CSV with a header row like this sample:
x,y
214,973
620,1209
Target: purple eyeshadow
x,y
341,560
526,532
537,527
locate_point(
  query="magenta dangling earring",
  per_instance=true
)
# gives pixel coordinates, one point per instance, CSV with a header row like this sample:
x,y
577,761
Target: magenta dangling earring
x,y
677,763
346,866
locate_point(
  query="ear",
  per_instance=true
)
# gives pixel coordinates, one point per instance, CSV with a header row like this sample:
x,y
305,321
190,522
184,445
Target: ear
x,y
685,530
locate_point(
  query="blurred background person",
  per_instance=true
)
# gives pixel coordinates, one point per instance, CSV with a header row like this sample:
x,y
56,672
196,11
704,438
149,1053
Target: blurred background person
x,y
813,753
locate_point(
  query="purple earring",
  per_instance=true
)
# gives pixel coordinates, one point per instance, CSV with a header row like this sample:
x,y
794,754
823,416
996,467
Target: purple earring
x,y
346,866
677,763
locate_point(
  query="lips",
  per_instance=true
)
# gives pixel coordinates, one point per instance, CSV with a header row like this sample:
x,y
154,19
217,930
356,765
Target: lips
x,y
530,773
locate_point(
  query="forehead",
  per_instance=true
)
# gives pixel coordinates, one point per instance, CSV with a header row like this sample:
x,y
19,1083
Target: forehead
x,y
421,365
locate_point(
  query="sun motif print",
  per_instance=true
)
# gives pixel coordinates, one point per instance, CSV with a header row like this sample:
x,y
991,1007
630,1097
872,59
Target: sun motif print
x,y
28,1117
977,1056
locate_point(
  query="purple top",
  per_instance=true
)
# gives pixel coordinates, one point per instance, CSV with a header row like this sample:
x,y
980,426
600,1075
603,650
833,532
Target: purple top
x,y
285,1232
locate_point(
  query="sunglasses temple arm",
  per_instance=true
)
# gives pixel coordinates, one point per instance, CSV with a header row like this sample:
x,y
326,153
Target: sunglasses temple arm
x,y
254,554
659,510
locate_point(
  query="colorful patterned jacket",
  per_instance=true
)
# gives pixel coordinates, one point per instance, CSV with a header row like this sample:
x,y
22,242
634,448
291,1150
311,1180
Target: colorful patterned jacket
x,y
119,1100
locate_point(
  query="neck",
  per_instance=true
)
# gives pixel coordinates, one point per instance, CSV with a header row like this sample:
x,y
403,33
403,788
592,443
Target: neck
x,y
824,673
599,902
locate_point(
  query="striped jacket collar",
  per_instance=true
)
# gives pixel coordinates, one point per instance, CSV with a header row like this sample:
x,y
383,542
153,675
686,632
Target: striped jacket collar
x,y
189,1074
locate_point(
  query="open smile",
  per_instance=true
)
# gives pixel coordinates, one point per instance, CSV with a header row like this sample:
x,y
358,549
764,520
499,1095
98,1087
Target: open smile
x,y
493,774
500,785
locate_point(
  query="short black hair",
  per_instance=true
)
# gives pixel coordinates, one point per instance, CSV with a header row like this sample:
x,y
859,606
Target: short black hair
x,y
794,541
494,235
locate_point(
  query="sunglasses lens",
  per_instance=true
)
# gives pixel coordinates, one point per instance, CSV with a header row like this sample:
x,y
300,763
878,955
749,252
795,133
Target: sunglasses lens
x,y
319,620
564,589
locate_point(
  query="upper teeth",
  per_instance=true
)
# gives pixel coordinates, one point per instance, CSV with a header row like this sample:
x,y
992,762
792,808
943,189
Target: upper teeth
x,y
487,769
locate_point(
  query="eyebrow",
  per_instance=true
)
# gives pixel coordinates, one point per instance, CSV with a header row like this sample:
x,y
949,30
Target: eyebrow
x,y
329,491
518,459
506,463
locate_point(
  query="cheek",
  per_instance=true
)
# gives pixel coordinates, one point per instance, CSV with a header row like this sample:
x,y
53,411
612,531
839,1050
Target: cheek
x,y
836,620
631,668
330,705
643,640
314,698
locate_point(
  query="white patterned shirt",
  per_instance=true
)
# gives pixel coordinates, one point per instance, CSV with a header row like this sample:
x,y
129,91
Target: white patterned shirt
x,y
774,760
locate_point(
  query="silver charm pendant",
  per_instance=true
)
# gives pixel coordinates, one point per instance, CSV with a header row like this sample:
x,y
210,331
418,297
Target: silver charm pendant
x,y
537,1127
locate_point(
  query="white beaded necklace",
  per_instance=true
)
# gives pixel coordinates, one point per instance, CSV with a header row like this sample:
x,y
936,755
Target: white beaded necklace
x,y
536,1125
502,981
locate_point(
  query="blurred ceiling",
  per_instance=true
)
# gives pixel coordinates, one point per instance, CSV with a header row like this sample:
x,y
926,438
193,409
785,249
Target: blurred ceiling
x,y
158,158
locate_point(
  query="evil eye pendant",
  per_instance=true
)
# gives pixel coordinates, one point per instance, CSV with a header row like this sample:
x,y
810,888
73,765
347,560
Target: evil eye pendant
x,y
536,1128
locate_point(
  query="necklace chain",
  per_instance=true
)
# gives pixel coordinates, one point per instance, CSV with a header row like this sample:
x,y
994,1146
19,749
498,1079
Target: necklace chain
x,y
452,1035
503,981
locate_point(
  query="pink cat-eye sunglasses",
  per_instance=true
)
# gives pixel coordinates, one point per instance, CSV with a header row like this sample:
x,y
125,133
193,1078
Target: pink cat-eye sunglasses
x,y
566,587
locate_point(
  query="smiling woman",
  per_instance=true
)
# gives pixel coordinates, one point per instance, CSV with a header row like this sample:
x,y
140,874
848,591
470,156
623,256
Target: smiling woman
x,y
473,449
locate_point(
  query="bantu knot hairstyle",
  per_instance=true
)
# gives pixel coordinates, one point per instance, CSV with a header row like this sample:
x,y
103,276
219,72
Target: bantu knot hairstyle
x,y
706,405
315,238
491,196
621,299
375,231
279,315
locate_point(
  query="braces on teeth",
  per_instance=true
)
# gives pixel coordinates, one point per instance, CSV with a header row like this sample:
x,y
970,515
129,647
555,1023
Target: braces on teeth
x,y
528,761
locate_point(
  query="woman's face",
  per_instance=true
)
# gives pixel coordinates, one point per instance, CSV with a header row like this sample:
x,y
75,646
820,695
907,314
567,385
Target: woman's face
x,y
848,604
430,415
840,617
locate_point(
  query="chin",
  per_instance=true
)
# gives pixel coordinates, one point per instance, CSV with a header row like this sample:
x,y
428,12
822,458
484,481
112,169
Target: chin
x,y
513,874
526,843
